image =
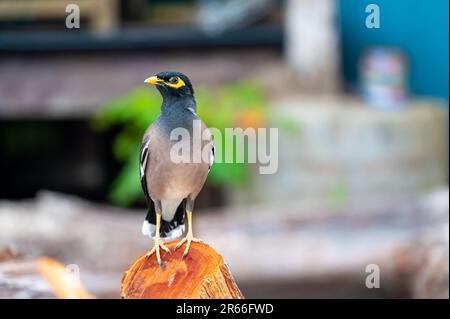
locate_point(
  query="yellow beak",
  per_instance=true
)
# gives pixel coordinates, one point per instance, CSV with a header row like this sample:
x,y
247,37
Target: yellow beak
x,y
153,80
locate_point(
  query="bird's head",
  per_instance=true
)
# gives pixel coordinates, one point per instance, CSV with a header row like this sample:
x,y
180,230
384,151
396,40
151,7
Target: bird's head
x,y
171,84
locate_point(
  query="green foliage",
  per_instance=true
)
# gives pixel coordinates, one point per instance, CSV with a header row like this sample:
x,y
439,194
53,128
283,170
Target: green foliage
x,y
219,108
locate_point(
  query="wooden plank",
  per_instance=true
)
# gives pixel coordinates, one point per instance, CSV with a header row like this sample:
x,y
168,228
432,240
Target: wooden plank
x,y
42,278
64,284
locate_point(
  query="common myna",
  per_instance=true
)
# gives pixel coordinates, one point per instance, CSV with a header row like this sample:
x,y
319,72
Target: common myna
x,y
171,187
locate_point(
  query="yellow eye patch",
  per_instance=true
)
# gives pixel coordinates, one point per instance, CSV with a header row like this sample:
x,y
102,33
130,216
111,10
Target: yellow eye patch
x,y
179,83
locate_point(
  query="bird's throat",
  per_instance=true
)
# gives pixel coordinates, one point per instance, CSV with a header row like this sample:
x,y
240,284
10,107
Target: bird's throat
x,y
175,105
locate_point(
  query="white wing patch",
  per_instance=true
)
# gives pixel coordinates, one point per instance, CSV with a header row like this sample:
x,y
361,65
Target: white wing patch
x,y
144,156
143,165
211,158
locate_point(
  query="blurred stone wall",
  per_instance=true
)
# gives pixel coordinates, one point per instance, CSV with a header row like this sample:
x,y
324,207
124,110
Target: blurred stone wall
x,y
344,151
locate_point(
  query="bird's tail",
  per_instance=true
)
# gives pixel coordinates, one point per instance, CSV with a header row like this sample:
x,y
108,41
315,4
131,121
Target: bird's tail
x,y
168,230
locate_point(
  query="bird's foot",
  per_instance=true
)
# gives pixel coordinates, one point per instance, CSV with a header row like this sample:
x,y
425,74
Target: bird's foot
x,y
188,240
158,244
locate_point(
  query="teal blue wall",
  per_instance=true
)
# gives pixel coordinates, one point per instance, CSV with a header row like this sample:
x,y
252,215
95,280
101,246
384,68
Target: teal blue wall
x,y
419,27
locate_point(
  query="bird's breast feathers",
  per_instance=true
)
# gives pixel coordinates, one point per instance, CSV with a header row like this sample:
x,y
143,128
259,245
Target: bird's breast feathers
x,y
167,178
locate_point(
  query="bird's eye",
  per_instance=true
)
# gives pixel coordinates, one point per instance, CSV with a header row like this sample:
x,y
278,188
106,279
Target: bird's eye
x,y
173,80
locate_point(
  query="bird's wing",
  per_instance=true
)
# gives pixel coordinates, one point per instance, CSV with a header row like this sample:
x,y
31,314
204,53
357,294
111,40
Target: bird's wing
x,y
143,163
169,229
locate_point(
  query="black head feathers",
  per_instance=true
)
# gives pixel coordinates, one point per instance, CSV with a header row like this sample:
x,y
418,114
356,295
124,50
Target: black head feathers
x,y
176,82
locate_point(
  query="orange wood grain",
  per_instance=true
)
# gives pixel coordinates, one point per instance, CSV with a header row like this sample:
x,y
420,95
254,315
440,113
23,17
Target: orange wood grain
x,y
202,274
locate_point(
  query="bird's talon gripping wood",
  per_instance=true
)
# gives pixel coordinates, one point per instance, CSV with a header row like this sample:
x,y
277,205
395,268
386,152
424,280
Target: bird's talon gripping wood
x,y
158,242
156,249
188,240
171,187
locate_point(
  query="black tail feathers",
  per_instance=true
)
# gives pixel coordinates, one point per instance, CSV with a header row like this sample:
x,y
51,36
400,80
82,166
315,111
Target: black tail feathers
x,y
168,230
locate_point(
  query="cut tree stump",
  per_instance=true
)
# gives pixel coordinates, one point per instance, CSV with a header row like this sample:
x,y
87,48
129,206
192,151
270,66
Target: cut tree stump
x,y
202,274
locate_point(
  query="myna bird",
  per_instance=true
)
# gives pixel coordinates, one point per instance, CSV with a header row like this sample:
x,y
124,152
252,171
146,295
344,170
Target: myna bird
x,y
171,187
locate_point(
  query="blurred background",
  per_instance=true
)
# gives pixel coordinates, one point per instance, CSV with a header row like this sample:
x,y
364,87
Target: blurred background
x,y
360,97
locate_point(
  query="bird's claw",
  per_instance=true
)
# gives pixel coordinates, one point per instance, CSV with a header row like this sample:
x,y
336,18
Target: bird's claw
x,y
165,249
158,244
188,239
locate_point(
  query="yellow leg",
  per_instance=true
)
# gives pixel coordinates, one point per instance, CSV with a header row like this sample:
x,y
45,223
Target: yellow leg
x,y
189,236
158,242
